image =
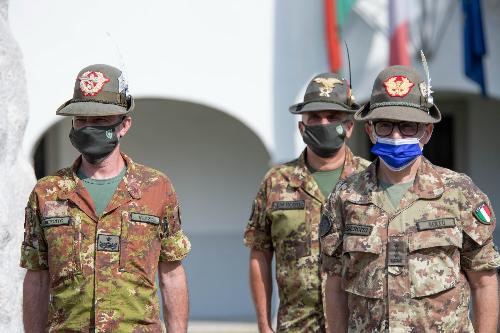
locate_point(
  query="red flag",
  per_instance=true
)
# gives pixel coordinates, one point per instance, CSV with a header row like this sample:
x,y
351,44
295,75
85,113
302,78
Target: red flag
x,y
333,36
398,33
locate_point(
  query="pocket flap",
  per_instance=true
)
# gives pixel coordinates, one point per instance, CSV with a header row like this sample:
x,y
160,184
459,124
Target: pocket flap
x,y
436,238
355,243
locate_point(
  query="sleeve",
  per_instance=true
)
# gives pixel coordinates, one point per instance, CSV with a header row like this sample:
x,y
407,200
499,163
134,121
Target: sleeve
x,y
258,230
478,223
331,233
34,248
174,243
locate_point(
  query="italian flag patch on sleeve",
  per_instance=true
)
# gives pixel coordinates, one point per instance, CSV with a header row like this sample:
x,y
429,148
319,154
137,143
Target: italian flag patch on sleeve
x,y
483,213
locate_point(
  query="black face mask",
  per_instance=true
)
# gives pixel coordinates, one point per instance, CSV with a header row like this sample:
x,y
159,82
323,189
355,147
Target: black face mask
x,y
324,140
95,143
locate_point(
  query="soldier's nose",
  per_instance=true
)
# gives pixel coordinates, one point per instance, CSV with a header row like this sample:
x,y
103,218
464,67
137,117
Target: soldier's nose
x,y
396,134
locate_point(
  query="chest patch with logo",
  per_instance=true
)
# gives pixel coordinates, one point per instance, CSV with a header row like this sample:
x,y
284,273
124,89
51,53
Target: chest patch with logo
x,y
448,222
55,221
483,213
109,243
145,218
289,205
358,229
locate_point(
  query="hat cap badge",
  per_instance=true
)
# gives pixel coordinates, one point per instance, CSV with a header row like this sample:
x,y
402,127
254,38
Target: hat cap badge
x,y
327,85
398,86
92,82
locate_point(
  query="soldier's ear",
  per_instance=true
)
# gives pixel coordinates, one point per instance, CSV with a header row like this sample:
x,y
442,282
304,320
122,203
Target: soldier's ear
x,y
301,127
429,128
124,126
369,132
349,126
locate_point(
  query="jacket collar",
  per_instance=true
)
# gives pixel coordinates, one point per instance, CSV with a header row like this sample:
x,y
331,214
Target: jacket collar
x,y
301,177
72,188
427,184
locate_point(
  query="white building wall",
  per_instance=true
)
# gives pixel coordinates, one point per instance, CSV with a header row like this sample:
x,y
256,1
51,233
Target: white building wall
x,y
216,53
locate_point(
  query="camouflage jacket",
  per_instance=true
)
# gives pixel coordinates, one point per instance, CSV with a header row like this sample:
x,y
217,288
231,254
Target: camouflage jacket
x,y
102,269
403,269
285,219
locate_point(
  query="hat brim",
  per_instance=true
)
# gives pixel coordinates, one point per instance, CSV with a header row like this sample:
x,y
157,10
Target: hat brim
x,y
321,106
93,109
400,113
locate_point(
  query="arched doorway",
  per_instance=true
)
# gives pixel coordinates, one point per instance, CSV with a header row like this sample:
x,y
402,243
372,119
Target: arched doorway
x,y
216,164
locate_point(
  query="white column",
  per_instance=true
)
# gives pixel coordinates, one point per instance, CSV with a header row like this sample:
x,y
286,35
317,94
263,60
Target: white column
x,y
16,174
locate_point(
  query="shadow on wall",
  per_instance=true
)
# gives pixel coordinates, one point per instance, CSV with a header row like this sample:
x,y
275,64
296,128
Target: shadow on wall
x,y
216,164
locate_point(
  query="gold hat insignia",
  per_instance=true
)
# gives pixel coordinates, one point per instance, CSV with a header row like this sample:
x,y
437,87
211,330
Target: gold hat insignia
x,y
327,85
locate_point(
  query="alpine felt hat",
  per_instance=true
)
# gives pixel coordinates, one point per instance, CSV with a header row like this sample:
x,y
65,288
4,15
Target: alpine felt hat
x,y
327,91
399,93
100,90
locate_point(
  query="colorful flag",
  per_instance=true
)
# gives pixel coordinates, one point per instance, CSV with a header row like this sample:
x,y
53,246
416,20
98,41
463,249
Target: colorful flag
x,y
483,213
336,11
474,43
398,33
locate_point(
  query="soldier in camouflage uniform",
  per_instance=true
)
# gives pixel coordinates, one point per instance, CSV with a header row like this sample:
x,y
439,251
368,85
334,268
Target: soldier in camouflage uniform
x,y
407,262
286,212
94,270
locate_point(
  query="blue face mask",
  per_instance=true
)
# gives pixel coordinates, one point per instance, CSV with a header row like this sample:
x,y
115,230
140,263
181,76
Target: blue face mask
x,y
397,154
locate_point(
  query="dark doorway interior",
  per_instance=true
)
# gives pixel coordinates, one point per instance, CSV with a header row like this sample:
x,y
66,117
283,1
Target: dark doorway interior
x,y
439,150
39,159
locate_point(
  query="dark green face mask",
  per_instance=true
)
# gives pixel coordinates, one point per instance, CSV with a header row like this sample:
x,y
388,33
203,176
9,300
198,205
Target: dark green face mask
x,y
324,140
95,143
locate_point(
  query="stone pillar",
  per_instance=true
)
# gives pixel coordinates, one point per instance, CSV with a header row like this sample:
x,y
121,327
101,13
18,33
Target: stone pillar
x,y
16,174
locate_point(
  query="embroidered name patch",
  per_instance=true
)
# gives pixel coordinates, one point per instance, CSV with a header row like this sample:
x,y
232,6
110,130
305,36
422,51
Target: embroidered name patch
x,y
289,205
136,217
110,243
436,224
324,226
358,229
55,221
396,252
483,213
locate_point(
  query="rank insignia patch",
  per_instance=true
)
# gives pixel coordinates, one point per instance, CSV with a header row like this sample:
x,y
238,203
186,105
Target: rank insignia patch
x,y
109,243
398,86
92,82
483,213
327,85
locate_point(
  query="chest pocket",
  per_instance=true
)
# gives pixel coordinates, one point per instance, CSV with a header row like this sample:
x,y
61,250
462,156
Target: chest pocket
x,y
290,230
140,243
61,233
363,271
434,260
